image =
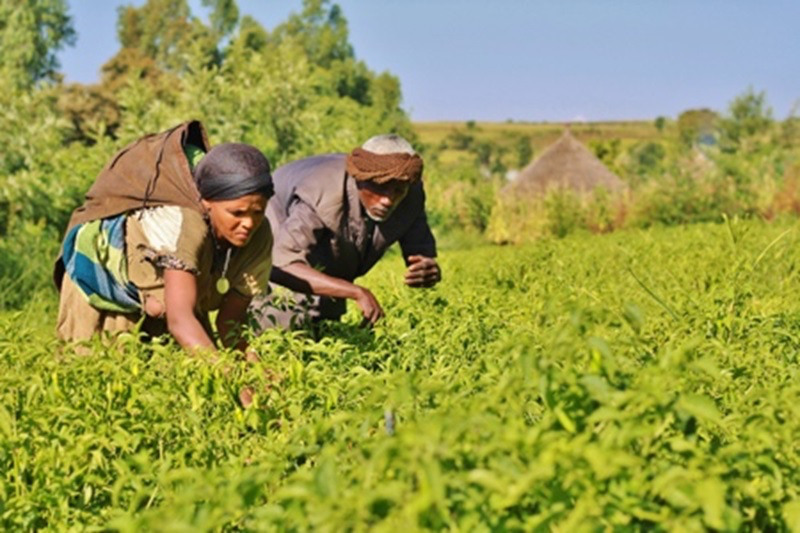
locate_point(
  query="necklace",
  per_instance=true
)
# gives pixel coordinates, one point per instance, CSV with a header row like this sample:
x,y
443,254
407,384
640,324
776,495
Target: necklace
x,y
223,285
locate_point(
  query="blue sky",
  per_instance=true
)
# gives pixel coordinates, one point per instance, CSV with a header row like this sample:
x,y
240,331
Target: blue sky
x,y
531,60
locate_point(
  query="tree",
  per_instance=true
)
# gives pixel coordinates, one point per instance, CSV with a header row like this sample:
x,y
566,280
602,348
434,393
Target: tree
x,y
790,129
460,140
645,161
607,151
483,153
160,41
132,62
321,30
164,31
31,32
91,110
524,151
694,124
300,86
251,36
224,16
748,117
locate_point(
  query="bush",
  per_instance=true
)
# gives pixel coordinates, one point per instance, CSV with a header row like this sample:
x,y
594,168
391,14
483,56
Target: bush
x,y
557,214
460,199
26,260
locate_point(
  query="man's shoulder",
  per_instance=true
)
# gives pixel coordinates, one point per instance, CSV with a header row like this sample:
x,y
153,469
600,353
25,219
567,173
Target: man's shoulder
x,y
319,168
318,181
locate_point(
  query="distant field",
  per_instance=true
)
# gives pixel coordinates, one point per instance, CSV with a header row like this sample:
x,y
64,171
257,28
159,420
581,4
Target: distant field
x,y
439,136
541,133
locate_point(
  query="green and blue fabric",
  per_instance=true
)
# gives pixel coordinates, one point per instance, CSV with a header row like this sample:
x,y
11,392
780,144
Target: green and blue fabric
x,y
94,257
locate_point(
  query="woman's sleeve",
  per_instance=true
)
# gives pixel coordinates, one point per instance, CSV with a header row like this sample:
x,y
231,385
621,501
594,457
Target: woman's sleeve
x,y
164,238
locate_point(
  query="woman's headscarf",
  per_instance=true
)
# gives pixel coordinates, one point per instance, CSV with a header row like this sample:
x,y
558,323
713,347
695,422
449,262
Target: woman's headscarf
x,y
233,170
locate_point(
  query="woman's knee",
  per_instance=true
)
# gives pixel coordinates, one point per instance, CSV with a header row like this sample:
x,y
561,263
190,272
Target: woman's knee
x,y
153,307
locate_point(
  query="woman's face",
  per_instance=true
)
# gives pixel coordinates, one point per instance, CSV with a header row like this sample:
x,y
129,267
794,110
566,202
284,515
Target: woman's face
x,y
235,221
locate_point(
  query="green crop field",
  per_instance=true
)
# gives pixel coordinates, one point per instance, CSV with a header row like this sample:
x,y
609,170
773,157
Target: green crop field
x,y
642,378
634,381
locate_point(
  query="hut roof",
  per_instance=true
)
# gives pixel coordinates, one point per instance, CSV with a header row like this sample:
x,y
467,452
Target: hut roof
x,y
567,164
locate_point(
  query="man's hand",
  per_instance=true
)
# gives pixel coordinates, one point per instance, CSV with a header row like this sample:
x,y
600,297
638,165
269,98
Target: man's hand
x,y
369,306
422,271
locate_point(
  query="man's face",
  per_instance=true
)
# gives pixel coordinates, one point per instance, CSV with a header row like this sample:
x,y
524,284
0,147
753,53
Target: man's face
x,y
236,220
381,199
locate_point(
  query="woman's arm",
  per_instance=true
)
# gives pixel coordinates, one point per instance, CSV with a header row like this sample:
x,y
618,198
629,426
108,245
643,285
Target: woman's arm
x,y
180,295
232,315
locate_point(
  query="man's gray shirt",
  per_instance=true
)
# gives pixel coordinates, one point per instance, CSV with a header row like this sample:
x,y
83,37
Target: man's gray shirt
x,y
317,219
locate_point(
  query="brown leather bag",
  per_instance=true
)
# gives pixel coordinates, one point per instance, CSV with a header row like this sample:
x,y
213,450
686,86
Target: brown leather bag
x,y
149,172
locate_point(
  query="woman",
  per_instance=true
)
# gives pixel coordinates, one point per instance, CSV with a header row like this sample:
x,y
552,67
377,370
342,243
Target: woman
x,y
169,231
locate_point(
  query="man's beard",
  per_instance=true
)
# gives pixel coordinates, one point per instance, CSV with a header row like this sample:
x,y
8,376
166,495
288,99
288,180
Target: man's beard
x,y
376,218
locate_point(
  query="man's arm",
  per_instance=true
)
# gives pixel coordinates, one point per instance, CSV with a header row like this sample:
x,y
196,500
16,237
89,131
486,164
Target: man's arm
x,y
300,277
419,250
297,236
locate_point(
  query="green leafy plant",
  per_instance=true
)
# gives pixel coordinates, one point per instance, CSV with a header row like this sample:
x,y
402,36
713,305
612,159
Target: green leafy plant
x,y
639,380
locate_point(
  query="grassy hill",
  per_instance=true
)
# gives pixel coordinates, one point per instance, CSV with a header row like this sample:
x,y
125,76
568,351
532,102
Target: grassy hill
x,y
456,142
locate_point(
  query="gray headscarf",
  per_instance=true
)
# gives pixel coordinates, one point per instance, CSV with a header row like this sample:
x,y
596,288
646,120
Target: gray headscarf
x,y
233,170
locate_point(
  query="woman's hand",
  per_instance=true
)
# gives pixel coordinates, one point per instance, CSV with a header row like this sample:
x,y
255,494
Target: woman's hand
x,y
272,378
230,319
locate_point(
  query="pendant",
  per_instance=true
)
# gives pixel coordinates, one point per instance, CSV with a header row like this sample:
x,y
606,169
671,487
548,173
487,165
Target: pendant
x,y
223,285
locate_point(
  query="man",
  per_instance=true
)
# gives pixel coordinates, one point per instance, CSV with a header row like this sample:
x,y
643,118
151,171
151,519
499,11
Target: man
x,y
333,217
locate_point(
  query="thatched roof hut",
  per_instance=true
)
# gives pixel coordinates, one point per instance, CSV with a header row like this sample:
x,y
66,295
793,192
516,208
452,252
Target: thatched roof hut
x,y
566,164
